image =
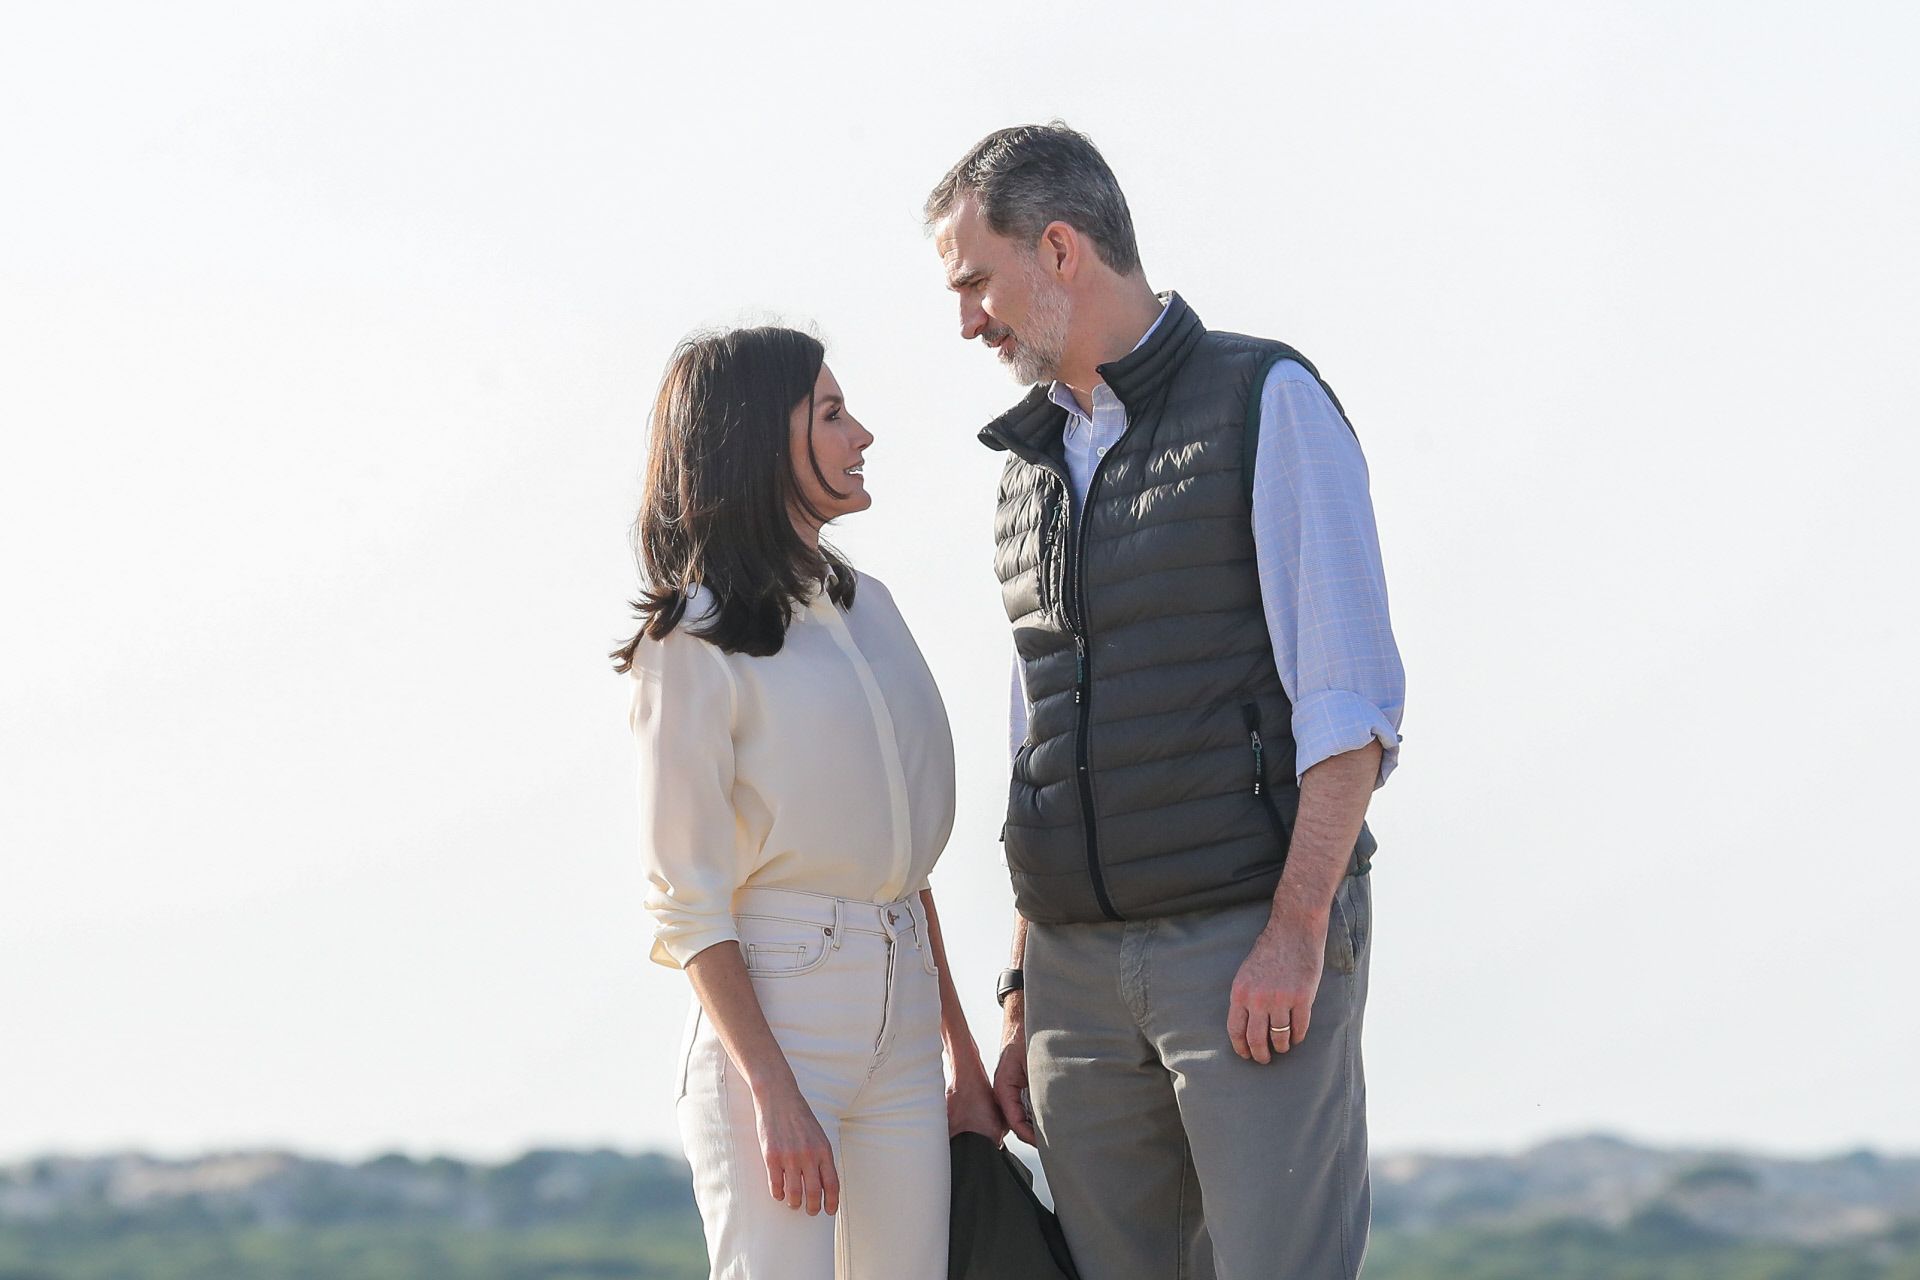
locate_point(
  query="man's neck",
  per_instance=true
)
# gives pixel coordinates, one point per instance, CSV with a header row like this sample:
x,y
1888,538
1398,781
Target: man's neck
x,y
1113,326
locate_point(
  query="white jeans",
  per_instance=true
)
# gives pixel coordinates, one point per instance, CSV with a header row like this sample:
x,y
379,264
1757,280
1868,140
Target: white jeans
x,y
852,994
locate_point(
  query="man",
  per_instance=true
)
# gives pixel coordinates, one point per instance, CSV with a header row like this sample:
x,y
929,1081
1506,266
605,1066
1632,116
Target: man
x,y
1208,692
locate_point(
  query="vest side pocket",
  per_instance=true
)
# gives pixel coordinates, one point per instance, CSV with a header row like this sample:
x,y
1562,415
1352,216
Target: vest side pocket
x,y
1250,716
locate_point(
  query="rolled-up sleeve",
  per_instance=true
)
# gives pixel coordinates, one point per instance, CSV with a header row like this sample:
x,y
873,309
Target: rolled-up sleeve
x,y
1322,584
682,716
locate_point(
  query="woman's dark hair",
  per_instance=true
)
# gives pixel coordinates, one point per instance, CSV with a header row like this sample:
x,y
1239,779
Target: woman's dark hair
x,y
720,487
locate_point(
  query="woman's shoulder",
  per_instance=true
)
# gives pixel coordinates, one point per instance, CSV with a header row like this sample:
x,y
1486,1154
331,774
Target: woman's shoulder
x,y
877,599
873,599
681,666
865,584
681,646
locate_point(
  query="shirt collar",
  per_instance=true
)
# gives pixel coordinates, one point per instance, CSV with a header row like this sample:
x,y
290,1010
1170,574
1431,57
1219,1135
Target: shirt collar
x,y
1062,395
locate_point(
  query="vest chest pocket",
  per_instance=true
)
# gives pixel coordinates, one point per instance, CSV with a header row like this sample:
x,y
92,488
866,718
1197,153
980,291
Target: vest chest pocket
x,y
1051,572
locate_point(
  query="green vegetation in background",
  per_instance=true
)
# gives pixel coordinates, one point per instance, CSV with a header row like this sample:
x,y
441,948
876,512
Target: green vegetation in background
x,y
1545,1214
1654,1246
1650,1248
660,1252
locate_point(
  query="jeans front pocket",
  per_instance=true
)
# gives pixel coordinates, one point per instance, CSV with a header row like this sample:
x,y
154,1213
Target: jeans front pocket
x,y
776,948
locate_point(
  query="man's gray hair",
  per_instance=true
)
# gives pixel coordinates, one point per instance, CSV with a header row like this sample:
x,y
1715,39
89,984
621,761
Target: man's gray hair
x,y
1033,174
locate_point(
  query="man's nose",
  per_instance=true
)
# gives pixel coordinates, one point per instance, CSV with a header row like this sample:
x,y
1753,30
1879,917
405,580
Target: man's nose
x,y
973,322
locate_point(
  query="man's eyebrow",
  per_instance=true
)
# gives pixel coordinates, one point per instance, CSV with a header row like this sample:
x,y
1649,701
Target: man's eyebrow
x,y
962,277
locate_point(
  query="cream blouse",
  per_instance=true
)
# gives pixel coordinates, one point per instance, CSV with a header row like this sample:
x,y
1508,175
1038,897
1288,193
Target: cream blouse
x,y
826,767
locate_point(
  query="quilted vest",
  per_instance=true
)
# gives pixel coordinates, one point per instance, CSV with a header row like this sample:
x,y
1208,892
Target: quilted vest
x,y
1157,776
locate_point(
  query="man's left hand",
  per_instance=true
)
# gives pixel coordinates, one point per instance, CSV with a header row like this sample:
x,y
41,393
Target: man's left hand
x,y
1274,989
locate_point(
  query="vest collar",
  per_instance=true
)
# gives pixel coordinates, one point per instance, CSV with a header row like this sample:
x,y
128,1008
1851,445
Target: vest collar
x,y
1031,429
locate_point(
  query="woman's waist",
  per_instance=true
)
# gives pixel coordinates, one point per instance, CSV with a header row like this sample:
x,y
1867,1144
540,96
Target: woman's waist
x,y
828,911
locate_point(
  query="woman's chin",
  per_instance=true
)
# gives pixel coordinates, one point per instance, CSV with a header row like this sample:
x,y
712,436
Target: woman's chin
x,y
858,500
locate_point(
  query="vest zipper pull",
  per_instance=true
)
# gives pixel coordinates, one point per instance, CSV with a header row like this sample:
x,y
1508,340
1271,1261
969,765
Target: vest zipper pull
x,y
1250,716
1079,669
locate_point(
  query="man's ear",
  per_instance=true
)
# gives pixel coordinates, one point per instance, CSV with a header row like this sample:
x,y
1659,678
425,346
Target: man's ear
x,y
1061,251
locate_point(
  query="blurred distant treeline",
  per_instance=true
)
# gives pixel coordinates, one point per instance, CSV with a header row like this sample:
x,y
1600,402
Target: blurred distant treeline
x,y
1584,1209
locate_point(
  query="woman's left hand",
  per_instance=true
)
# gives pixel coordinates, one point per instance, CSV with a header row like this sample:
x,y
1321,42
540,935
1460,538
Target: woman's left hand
x,y
971,1107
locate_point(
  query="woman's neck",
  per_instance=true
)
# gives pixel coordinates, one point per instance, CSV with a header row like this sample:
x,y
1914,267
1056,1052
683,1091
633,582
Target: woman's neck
x,y
808,530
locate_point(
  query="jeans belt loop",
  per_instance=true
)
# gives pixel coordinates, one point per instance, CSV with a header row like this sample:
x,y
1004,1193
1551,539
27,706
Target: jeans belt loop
x,y
839,922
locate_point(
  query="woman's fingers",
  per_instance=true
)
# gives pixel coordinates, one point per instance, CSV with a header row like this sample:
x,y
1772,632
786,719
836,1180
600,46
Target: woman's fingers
x,y
830,1185
796,1183
812,1175
805,1180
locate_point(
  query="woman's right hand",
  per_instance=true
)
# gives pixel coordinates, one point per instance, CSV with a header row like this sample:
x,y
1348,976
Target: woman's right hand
x,y
799,1158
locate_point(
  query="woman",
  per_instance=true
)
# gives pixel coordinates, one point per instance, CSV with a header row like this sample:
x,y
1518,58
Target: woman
x,y
796,786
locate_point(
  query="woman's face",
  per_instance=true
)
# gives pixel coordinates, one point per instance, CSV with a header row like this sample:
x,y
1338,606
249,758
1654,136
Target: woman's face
x,y
839,452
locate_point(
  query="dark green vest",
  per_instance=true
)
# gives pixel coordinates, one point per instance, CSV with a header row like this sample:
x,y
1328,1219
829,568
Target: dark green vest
x,y
1158,771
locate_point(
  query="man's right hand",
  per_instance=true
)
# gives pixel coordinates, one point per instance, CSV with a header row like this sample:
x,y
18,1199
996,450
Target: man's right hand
x,y
1010,1073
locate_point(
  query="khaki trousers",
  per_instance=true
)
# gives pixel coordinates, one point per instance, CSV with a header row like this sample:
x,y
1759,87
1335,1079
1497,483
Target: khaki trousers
x,y
1169,1156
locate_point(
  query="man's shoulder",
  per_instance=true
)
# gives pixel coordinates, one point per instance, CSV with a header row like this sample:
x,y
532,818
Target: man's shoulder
x,y
1242,358
1258,352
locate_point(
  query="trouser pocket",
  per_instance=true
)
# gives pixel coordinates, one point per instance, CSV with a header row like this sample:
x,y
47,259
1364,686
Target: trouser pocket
x,y
687,1039
779,948
922,935
1347,925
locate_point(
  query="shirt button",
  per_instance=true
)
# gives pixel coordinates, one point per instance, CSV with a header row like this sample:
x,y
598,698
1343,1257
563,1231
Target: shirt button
x,y
1102,451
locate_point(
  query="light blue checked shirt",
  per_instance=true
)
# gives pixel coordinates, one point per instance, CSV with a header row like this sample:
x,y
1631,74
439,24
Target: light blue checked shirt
x,y
1321,582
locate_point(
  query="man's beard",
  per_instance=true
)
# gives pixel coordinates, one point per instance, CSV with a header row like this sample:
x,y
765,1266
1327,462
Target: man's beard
x,y
1041,343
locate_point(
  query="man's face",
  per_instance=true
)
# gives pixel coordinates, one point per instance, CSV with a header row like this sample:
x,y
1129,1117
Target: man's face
x,y
1007,298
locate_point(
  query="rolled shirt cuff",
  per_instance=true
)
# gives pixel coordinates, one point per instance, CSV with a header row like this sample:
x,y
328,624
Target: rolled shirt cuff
x,y
1335,721
676,943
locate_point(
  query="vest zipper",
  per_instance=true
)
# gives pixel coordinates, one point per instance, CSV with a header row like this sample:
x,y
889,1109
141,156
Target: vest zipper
x,y
1076,615
1083,691
1250,716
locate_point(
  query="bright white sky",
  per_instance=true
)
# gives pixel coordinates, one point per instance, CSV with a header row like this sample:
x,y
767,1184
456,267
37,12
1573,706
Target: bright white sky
x,y
327,335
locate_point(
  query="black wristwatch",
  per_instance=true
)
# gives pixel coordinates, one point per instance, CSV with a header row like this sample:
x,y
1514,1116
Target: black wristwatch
x,y
1011,980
